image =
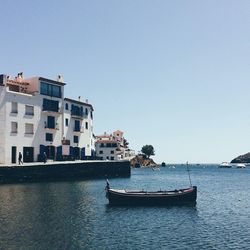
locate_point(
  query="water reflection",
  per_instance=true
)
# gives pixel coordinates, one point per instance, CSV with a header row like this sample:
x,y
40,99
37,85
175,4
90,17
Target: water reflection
x,y
76,215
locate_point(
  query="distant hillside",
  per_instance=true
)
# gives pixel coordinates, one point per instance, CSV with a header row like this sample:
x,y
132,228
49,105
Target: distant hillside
x,y
142,161
242,159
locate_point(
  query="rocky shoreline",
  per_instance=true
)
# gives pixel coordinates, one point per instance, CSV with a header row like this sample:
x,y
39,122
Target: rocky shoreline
x,y
242,158
142,161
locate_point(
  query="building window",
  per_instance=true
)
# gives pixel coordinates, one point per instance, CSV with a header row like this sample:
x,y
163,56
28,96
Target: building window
x,y
100,152
86,112
91,115
50,90
50,122
14,107
66,106
29,110
112,158
76,139
14,127
76,111
66,122
107,157
49,137
112,152
29,128
86,125
50,105
77,126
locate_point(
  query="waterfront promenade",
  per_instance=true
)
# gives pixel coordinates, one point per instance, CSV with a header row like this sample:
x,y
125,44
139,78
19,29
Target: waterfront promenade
x,y
64,170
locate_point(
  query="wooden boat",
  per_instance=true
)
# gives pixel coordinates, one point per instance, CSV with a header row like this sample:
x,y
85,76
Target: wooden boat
x,y
158,198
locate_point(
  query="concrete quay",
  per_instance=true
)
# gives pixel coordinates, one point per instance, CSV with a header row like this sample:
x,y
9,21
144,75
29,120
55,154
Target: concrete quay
x,y
63,171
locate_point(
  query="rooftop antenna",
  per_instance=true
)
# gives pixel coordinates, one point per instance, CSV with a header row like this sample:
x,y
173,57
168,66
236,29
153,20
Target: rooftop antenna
x,y
189,174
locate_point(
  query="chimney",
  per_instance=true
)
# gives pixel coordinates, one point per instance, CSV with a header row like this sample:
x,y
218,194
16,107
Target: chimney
x,y
79,98
60,78
2,79
20,75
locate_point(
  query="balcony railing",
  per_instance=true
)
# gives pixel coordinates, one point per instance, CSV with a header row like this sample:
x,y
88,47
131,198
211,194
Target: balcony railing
x,y
51,108
50,105
51,126
77,130
77,113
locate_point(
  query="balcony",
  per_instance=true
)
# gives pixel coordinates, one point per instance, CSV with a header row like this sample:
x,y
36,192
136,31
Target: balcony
x,y
51,126
78,130
77,114
50,106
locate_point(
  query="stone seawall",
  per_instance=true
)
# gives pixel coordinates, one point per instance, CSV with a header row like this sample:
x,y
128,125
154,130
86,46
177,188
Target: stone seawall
x,y
64,171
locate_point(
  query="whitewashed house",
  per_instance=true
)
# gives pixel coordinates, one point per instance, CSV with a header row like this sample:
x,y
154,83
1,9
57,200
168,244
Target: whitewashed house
x,y
113,147
33,121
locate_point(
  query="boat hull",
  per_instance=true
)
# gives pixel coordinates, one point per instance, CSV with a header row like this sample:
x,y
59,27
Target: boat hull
x,y
160,198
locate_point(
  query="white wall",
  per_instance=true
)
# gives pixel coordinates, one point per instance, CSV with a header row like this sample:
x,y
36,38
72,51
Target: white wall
x,y
2,125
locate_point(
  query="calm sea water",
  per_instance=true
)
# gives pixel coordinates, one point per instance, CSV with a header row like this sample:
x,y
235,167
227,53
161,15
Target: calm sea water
x,y
75,215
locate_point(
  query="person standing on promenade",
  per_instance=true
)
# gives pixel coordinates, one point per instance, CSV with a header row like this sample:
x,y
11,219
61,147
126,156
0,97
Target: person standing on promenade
x,y
44,157
20,157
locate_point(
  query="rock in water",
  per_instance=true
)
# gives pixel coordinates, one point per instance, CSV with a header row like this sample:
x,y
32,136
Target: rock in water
x,y
142,161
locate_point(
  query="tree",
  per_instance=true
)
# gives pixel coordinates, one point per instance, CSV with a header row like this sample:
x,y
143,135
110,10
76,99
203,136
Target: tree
x,y
148,150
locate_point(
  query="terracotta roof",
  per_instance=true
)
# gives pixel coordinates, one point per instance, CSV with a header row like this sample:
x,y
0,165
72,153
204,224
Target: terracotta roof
x,y
102,136
106,141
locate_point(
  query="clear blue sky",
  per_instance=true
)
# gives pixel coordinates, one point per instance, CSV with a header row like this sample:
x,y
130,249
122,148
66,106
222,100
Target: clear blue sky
x,y
174,74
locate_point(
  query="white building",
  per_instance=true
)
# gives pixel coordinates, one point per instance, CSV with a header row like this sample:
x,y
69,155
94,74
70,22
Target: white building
x,y
78,124
113,147
33,121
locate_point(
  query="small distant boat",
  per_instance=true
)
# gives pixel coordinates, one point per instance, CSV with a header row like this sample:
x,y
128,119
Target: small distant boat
x,y
240,165
225,165
172,167
156,169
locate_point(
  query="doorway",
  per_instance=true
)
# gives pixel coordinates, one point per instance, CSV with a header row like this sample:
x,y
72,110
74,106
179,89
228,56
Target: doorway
x,y
28,154
13,154
51,152
77,153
